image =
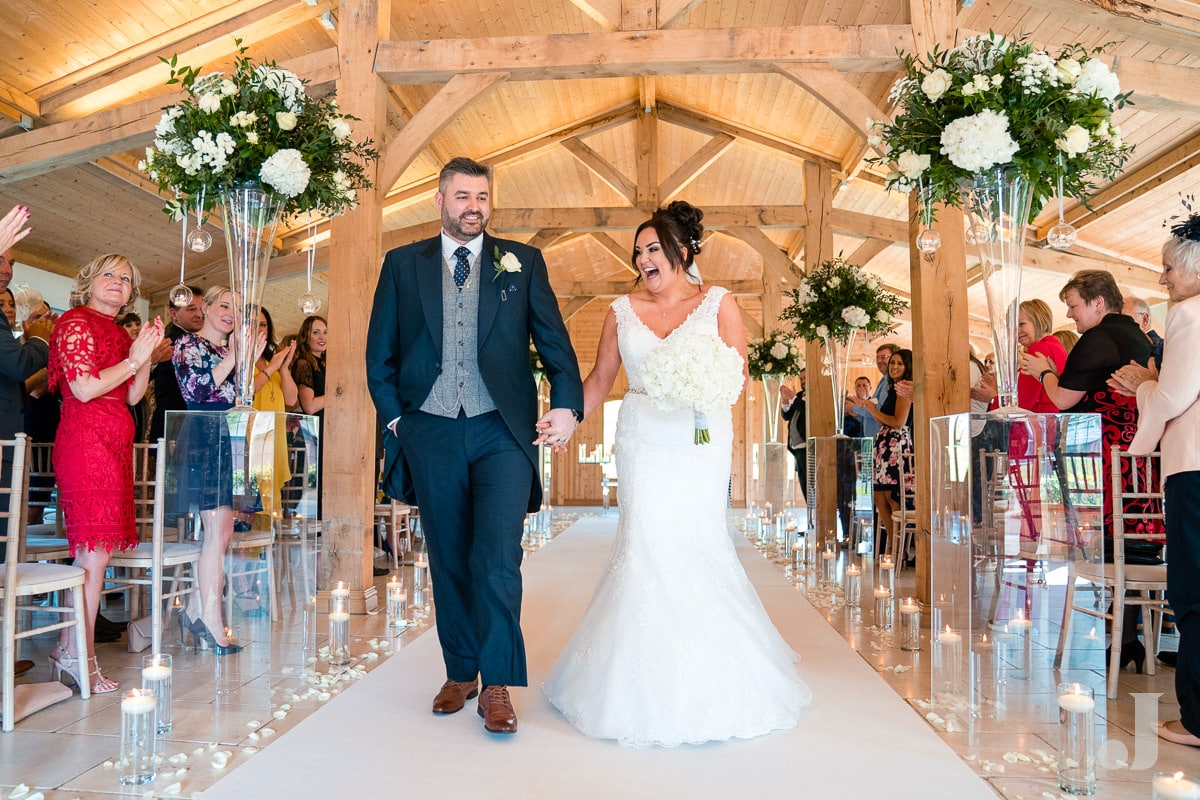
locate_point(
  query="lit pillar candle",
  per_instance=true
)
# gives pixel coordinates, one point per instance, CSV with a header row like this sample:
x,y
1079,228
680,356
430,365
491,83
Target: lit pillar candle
x,y
887,573
1022,629
1174,786
139,738
910,625
883,608
947,662
1076,738
853,575
156,680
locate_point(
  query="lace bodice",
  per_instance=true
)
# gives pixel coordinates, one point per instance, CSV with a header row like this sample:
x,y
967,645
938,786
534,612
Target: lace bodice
x,y
635,340
84,342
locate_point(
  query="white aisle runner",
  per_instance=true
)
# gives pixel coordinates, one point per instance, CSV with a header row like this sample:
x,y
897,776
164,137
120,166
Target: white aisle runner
x,y
378,739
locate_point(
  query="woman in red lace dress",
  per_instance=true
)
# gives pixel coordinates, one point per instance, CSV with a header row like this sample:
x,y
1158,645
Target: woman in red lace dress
x,y
98,369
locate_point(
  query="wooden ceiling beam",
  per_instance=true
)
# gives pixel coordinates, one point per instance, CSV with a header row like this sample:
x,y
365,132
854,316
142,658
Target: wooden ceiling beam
x,y
691,169
646,159
17,105
203,40
458,93
694,120
841,96
777,267
602,169
1178,160
685,51
1160,88
671,13
614,248
1168,23
865,252
574,305
639,15
605,13
116,129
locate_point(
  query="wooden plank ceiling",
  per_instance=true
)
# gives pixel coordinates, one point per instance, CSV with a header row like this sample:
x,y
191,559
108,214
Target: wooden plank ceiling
x,y
593,112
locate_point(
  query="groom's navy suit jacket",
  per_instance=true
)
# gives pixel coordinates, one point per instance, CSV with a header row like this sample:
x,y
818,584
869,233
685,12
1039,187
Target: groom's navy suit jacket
x,y
404,345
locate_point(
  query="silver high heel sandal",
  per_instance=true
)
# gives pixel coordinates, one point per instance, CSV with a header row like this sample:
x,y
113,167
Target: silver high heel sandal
x,y
62,662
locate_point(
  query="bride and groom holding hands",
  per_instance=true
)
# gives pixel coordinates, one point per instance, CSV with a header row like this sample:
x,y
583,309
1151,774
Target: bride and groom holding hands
x,y
675,646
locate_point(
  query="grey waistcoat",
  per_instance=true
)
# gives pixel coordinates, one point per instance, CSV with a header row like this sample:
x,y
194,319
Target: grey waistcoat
x,y
459,386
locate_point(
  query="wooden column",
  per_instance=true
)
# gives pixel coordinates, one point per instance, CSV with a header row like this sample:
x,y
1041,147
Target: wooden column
x,y
350,468
939,303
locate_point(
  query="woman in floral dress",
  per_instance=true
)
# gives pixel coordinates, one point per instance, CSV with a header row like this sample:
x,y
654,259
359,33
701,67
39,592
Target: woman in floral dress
x,y
893,440
98,369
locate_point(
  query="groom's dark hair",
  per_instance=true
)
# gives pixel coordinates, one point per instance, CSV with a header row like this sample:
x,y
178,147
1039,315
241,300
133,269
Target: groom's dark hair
x,y
461,165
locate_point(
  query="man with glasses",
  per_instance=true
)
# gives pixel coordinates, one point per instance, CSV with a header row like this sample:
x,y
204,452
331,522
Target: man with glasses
x,y
1139,310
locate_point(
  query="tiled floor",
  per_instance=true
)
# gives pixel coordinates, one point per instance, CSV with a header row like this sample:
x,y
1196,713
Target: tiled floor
x,y
228,708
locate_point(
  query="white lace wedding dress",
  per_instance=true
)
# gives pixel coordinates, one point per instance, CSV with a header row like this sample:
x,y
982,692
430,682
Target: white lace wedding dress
x,y
675,646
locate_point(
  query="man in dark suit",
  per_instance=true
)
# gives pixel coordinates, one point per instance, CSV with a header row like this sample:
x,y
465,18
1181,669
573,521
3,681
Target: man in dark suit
x,y
795,414
448,370
167,397
17,362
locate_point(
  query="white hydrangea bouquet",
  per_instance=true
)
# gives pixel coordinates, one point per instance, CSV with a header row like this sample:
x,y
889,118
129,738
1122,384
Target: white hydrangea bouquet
x,y
697,371
838,298
994,102
257,125
774,354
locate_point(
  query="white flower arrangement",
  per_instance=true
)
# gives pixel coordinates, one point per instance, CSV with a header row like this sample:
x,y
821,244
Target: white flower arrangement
x,y
839,297
991,102
697,371
774,354
257,126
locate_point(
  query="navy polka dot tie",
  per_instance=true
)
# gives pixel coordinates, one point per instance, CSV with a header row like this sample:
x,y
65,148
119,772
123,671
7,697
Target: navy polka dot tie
x,y
462,266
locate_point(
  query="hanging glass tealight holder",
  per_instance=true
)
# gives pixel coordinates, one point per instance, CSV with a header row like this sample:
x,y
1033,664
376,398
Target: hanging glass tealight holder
x,y
308,302
1063,235
181,295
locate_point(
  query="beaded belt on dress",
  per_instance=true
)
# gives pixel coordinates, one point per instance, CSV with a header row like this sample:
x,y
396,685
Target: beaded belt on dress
x,y
631,390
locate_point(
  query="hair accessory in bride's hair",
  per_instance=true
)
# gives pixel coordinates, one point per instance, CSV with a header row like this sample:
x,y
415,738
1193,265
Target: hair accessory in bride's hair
x,y
695,243
1190,227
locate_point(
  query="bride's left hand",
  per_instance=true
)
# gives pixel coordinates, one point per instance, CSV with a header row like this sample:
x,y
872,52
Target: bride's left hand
x,y
555,428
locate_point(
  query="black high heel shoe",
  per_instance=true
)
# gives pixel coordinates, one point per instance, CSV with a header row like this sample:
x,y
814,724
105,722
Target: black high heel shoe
x,y
1133,652
200,632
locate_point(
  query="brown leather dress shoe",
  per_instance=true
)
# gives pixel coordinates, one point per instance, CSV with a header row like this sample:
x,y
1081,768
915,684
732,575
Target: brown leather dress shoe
x,y
453,696
497,711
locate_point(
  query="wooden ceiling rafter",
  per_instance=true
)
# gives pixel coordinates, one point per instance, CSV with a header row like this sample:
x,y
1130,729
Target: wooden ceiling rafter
x,y
705,123
615,249
646,159
841,96
601,168
1177,161
208,38
695,166
17,105
1169,23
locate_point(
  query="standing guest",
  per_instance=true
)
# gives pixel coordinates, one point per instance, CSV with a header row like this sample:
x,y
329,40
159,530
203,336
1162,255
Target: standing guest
x,y
1034,323
275,391
1168,404
883,357
131,322
1139,310
204,367
184,319
99,370
448,369
1108,340
854,418
794,411
308,372
894,439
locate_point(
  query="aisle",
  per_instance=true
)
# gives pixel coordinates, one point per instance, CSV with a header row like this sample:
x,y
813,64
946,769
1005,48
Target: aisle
x,y
378,739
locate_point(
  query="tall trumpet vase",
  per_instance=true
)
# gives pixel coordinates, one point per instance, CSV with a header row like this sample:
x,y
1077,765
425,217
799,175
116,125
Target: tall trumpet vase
x,y
997,203
837,356
771,405
250,214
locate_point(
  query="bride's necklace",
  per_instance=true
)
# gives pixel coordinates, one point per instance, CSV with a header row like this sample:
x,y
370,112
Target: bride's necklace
x,y
663,313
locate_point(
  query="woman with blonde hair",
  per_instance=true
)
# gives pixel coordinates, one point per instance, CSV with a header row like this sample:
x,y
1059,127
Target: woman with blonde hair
x,y
98,369
1035,323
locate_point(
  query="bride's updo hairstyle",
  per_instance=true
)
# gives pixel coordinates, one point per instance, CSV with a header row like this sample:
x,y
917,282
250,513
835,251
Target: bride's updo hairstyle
x,y
678,226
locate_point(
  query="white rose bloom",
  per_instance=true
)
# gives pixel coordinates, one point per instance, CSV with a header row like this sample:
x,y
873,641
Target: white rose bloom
x,y
1068,70
252,137
855,316
209,102
779,351
510,263
835,282
911,165
935,84
1074,141
822,331
286,120
243,119
1095,78
286,172
874,140
340,128
228,87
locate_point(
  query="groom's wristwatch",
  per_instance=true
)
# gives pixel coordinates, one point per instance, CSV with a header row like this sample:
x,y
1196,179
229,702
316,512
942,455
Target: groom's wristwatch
x,y
577,414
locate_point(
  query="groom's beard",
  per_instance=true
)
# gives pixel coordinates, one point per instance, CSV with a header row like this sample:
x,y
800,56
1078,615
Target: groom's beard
x,y
465,227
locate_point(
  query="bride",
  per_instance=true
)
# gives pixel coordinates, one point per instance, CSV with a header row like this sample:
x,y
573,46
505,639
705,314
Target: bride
x,y
675,647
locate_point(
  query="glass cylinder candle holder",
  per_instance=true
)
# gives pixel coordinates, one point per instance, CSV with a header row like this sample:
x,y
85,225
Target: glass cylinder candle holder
x,y
1076,739
887,573
947,661
156,681
420,569
1174,786
1020,632
910,624
853,582
339,625
139,738
883,608
309,620
397,604
829,565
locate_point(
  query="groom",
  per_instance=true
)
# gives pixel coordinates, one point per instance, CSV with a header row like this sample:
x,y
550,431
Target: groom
x,y
448,370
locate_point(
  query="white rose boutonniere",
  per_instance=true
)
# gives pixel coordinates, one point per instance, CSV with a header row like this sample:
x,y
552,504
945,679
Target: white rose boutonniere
x,y
504,262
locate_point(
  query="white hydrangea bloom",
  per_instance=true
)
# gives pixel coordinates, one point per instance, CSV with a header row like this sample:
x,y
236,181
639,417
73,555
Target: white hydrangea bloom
x,y
856,316
1095,78
286,172
979,141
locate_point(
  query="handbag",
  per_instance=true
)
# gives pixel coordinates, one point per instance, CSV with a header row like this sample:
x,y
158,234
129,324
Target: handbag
x,y
140,634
